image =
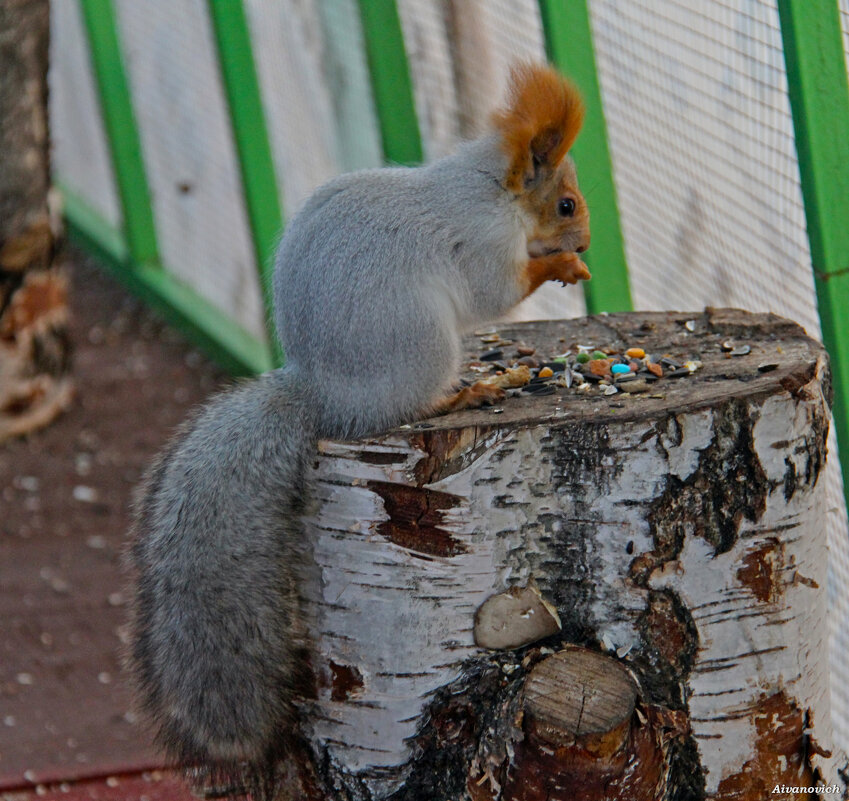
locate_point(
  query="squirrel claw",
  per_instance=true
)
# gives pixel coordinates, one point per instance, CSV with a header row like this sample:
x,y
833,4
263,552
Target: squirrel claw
x,y
567,268
571,270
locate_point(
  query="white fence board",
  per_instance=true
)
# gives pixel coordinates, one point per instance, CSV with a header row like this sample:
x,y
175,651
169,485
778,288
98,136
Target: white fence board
x,y
188,151
79,149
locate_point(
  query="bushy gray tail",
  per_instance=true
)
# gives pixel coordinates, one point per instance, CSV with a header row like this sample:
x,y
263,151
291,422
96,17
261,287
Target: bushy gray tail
x,y
215,650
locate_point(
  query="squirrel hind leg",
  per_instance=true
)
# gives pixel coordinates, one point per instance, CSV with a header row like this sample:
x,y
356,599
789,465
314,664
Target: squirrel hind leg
x,y
473,397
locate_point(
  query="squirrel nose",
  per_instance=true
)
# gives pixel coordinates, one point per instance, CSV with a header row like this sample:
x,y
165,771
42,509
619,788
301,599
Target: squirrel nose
x,y
584,245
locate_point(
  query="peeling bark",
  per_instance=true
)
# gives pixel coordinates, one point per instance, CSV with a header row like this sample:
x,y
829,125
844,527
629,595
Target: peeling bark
x,y
782,753
677,539
34,351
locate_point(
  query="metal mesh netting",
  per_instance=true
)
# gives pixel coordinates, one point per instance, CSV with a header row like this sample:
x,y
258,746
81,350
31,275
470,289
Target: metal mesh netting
x,y
838,576
316,91
189,154
701,136
704,156
460,55
80,152
843,6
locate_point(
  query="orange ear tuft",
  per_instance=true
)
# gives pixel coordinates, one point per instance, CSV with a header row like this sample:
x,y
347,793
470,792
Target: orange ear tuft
x,y
539,124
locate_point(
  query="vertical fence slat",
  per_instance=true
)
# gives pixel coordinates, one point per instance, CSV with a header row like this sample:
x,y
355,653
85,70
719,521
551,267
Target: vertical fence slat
x,y
121,131
256,164
224,340
819,100
391,83
569,44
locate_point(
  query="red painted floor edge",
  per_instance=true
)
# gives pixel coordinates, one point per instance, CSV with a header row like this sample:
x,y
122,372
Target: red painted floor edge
x,y
145,786
85,773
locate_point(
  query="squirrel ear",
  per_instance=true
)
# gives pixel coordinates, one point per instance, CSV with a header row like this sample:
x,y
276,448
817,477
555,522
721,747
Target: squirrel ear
x,y
538,125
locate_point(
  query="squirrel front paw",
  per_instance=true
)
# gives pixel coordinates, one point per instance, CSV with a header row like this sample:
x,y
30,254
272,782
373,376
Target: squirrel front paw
x,y
564,267
568,268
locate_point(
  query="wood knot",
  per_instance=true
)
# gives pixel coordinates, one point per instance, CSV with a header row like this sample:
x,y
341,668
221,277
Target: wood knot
x,y
581,697
588,735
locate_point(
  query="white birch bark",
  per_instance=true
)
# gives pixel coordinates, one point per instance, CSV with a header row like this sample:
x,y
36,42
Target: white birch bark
x,y
681,534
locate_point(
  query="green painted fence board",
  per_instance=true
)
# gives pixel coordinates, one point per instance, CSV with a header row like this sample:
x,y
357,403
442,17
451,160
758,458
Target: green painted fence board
x,y
121,131
569,44
356,131
226,342
819,99
391,82
250,132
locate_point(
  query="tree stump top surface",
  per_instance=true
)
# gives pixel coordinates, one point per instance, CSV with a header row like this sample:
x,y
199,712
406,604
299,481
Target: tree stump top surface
x,y
787,356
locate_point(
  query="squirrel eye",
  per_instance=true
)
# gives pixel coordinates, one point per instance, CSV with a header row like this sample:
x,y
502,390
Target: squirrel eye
x,y
565,207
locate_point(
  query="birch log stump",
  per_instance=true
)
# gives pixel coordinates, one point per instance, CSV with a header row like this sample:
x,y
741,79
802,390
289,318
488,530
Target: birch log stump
x,y
579,595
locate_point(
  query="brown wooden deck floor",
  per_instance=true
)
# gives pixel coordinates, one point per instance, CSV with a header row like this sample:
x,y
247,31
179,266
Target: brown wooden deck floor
x,y
64,499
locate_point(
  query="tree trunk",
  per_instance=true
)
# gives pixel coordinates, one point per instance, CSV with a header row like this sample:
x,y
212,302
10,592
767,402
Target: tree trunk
x,y
577,595
34,382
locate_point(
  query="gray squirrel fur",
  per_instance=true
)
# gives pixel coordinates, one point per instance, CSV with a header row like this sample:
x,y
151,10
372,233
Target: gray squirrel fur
x,y
376,280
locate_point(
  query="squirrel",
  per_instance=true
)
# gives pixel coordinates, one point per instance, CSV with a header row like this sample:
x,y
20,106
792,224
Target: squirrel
x,y
376,280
